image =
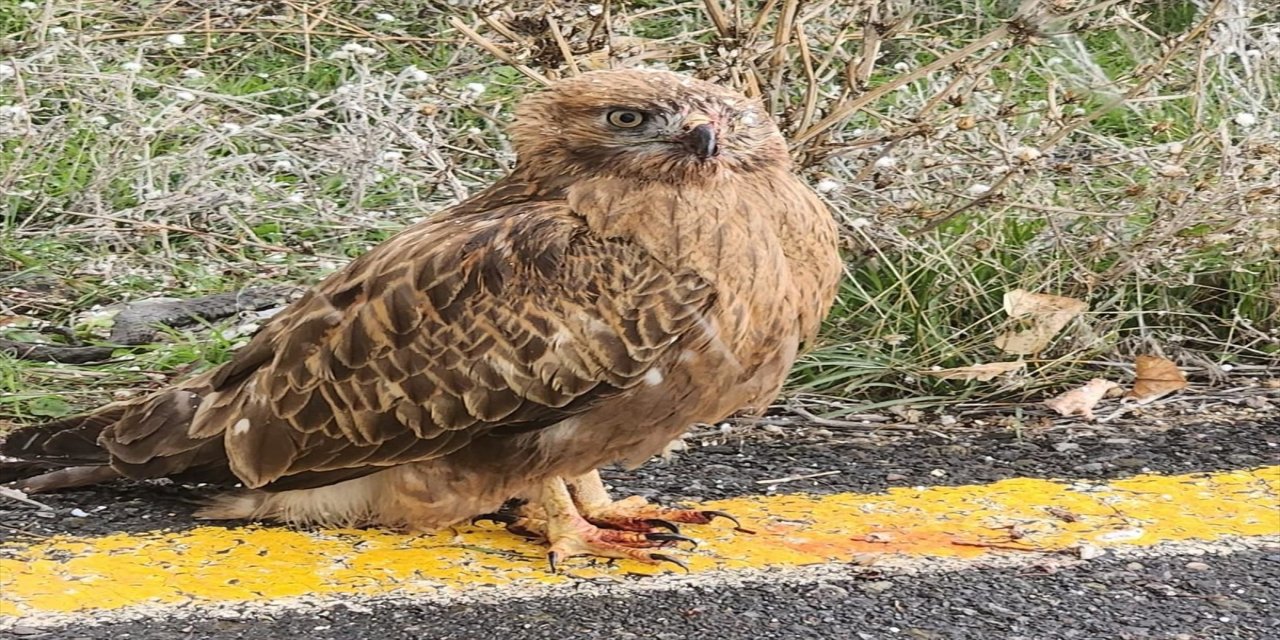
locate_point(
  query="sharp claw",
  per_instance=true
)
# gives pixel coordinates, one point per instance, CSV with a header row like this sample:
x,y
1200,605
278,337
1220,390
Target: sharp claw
x,y
552,556
499,518
670,537
663,524
662,557
737,526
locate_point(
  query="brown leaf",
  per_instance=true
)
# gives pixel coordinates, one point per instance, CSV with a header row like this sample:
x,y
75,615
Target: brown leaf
x,y
1041,317
980,372
1080,401
1156,378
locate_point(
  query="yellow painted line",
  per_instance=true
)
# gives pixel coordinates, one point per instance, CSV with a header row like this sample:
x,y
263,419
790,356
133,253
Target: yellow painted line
x,y
222,565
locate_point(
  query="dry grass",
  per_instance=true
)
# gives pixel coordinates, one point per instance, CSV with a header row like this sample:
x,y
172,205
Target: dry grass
x,y
1122,152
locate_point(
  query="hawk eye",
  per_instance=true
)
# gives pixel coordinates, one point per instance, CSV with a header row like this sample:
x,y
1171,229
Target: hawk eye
x,y
625,118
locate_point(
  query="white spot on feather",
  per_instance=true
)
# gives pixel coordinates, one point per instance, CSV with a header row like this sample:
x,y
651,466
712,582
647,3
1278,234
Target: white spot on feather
x,y
558,437
653,377
240,427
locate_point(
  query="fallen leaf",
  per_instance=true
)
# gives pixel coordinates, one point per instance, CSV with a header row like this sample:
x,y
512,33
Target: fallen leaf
x,y
980,372
1080,402
1040,316
1156,378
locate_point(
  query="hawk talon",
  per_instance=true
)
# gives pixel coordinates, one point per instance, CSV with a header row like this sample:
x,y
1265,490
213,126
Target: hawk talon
x,y
671,537
496,518
662,557
512,523
712,515
663,524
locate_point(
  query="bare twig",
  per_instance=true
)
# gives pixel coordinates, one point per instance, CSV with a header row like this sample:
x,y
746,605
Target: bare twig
x,y
498,52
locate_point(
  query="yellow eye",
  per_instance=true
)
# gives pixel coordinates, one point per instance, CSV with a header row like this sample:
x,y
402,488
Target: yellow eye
x,y
625,118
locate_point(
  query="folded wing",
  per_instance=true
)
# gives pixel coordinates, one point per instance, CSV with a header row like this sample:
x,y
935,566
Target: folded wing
x,y
487,323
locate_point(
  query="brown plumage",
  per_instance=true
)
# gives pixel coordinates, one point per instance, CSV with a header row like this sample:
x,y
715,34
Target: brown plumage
x,y
651,262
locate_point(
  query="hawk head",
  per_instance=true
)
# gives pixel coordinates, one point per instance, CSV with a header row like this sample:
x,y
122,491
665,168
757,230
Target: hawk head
x,y
645,125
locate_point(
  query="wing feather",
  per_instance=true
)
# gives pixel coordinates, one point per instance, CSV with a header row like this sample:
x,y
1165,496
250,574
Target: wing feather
x,y
485,322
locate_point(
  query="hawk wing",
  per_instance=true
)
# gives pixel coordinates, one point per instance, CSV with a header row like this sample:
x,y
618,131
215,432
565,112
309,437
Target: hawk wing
x,y
504,321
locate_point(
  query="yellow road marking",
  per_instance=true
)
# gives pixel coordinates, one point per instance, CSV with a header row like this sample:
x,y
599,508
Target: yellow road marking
x,y
216,564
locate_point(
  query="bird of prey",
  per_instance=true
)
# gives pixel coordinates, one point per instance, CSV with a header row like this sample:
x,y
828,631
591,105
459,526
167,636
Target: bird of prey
x,y
651,262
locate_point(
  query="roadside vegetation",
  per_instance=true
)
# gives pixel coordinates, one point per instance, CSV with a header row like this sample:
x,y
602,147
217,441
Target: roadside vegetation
x,y
1123,154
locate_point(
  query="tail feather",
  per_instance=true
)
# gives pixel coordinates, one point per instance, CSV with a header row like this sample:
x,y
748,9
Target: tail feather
x,y
145,438
67,478
15,470
70,440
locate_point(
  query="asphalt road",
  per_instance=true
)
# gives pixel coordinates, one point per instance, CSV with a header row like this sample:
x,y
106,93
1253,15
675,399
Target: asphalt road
x,y
719,466
1210,592
1228,596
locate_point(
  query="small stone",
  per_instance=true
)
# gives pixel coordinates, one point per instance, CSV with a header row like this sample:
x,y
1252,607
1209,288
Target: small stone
x,y
830,592
25,631
1134,566
1063,447
1197,566
1089,552
879,586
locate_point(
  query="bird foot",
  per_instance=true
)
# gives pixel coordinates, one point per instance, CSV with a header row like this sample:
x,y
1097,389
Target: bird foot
x,y
582,538
637,514
585,539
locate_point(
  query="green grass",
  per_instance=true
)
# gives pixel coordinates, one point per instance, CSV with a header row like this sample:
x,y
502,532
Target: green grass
x,y
271,164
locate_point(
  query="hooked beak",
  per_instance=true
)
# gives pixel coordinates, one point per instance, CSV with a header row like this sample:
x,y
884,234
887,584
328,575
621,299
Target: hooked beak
x,y
699,137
